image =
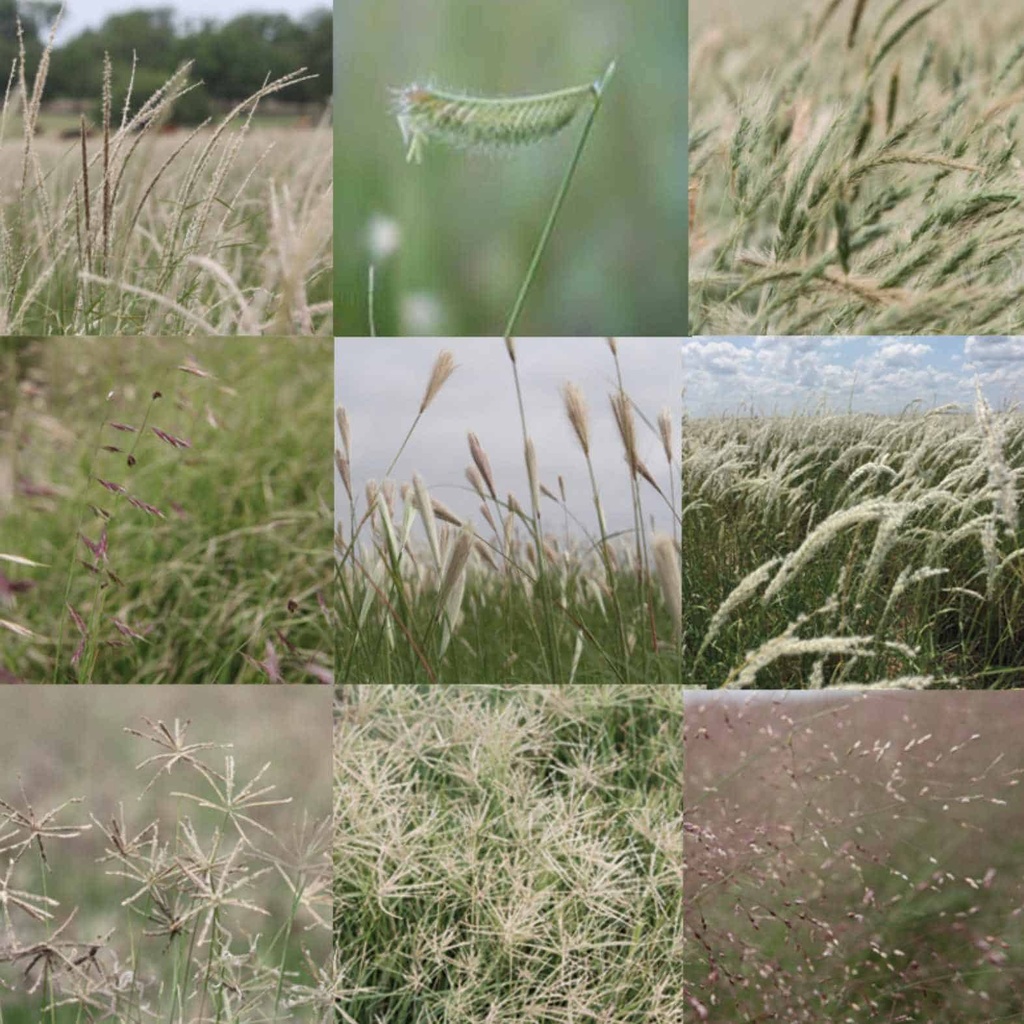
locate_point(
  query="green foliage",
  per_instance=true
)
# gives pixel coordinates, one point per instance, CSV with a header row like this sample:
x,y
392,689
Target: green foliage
x,y
232,59
243,529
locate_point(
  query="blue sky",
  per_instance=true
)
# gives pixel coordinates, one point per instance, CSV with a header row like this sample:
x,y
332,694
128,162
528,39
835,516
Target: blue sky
x,y
882,375
82,14
380,383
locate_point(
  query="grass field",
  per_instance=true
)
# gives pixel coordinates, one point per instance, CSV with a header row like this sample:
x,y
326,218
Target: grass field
x,y
509,854
165,511
854,858
194,886
854,169
126,231
511,592
822,549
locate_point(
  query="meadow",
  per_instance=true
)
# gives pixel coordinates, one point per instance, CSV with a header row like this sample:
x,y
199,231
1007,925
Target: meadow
x,y
451,238
511,592
853,858
824,549
854,168
177,867
129,230
509,854
165,511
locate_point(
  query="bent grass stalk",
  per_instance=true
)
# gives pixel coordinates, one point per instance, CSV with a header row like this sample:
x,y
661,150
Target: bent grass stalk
x,y
478,122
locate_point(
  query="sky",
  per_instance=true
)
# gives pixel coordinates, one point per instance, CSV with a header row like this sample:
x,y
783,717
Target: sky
x,y
83,14
776,376
380,382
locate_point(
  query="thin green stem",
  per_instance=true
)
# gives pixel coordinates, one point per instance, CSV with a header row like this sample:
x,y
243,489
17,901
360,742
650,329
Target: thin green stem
x,y
598,88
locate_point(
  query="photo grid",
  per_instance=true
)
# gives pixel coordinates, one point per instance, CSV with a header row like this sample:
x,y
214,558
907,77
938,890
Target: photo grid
x,y
540,576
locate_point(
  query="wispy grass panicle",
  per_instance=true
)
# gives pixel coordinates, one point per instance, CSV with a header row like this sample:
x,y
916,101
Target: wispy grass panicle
x,y
444,366
576,410
666,561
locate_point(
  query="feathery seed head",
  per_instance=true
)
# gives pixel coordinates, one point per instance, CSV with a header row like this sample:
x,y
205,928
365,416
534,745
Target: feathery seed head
x,y
343,427
482,463
476,122
576,410
532,475
666,562
623,411
665,430
444,367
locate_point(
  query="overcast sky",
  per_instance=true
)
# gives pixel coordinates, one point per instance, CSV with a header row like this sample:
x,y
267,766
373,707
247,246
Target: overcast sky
x,y
380,382
82,14
883,375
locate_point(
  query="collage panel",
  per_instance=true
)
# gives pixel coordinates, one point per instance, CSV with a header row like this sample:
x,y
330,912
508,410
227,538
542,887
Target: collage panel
x,y
177,866
853,857
166,169
851,512
509,853
507,510
510,170
854,167
165,511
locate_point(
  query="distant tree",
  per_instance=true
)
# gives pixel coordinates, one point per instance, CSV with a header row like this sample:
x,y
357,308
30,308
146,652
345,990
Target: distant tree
x,y
192,108
318,52
146,34
236,57
233,59
41,14
10,12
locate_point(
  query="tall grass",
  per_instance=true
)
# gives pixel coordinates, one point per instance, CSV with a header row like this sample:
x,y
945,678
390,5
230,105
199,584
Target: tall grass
x,y
223,229
505,597
509,854
167,517
854,170
853,859
823,549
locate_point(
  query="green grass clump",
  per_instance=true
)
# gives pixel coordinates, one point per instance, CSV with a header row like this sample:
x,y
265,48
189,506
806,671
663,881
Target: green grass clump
x,y
855,170
510,854
170,498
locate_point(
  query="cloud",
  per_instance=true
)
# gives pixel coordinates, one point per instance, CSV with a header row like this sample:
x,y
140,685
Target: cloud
x,y
986,352
903,353
716,358
778,375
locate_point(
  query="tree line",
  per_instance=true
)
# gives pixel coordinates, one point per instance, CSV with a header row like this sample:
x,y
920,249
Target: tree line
x,y
231,58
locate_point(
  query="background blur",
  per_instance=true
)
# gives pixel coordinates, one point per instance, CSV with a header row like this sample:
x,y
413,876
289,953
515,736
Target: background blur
x,y
711,14
466,224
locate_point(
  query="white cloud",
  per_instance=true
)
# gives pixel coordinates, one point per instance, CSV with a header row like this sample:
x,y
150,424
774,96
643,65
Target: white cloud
x,y
871,374
903,353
